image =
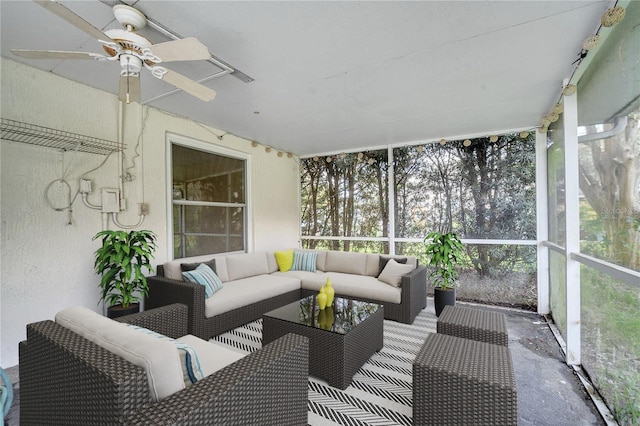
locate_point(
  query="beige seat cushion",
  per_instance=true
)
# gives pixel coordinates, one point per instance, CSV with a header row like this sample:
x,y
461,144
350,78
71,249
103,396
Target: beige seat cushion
x,y
302,275
243,292
355,286
159,358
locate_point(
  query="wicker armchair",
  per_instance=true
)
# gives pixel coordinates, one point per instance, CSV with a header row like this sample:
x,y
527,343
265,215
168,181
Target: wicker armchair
x,y
68,380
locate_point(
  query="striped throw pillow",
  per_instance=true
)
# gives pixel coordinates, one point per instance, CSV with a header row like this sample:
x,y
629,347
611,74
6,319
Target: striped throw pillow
x,y
304,261
191,369
205,276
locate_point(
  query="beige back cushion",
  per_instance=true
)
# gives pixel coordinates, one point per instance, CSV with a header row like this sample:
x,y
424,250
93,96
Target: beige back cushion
x,y
158,358
247,265
373,265
346,262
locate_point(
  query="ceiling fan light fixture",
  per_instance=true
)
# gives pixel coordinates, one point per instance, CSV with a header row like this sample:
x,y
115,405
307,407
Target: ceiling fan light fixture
x,y
131,65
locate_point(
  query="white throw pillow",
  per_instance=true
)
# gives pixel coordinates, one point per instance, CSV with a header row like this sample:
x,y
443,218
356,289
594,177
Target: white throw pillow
x,y
393,272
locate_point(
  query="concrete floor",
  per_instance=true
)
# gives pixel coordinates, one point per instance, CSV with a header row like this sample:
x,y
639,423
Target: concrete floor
x,y
549,392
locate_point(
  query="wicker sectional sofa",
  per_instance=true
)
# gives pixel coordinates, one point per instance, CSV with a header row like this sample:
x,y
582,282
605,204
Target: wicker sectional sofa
x,y
253,284
67,379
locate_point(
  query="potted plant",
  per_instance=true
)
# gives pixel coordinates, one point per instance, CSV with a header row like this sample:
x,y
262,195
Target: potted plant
x,y
121,260
443,251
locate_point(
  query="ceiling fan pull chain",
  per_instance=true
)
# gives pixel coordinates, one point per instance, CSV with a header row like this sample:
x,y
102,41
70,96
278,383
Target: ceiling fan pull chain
x,y
128,74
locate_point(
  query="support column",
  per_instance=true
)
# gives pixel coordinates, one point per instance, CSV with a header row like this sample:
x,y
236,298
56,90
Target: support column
x,y
542,223
572,227
391,231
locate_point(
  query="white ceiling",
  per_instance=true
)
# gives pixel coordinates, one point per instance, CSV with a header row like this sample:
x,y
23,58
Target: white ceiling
x,y
340,76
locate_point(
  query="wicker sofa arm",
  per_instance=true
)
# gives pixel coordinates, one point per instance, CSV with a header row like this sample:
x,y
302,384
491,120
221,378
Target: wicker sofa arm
x,y
414,292
166,291
68,380
170,320
267,387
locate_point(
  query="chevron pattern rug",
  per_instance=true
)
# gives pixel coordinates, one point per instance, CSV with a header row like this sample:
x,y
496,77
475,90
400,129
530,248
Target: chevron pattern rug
x,y
381,391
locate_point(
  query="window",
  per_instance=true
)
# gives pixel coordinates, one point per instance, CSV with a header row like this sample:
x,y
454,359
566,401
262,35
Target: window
x,y
484,190
208,199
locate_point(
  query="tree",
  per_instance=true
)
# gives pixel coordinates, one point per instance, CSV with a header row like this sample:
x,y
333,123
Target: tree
x,y
609,173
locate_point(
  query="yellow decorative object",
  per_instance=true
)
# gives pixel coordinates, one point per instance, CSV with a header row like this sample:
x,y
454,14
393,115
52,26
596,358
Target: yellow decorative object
x,y
284,260
329,291
322,318
329,318
322,299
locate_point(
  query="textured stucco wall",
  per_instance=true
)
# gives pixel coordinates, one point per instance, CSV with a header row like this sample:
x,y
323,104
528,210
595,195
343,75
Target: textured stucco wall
x,y
46,264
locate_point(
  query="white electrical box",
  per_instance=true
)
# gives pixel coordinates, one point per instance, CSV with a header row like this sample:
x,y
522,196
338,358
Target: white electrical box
x,y
85,186
110,200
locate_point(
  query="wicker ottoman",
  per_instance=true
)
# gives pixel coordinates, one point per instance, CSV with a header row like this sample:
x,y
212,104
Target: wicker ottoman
x,y
476,324
462,381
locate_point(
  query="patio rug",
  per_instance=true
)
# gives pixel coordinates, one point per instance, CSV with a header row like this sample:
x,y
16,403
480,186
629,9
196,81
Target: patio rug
x,y
381,391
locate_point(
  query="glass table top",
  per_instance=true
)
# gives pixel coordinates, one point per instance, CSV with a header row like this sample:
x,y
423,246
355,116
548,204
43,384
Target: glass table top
x,y
342,317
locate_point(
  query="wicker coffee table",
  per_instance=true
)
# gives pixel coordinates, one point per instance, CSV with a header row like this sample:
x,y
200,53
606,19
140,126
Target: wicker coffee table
x,y
341,338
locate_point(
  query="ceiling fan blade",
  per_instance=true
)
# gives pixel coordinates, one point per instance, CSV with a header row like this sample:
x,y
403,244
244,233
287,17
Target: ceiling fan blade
x,y
191,87
129,90
72,18
186,49
55,54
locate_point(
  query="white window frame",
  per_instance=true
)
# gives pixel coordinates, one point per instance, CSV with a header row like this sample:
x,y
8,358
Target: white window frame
x,y
172,138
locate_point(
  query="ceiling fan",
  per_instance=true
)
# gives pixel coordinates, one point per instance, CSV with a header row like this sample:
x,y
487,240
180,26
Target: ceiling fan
x,y
131,50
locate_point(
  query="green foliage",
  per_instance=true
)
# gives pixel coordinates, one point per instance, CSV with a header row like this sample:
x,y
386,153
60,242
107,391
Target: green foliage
x,y
485,190
610,330
121,260
443,251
